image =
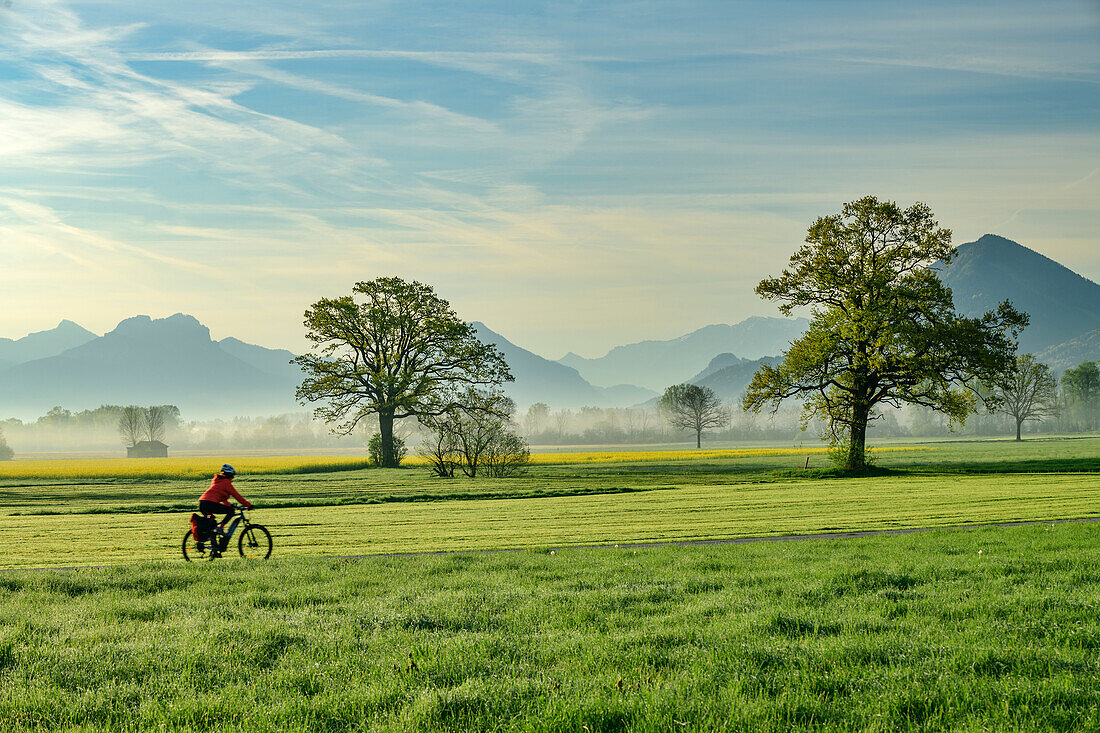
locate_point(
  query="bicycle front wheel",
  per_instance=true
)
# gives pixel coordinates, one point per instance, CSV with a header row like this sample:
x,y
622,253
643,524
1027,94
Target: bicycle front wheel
x,y
255,542
191,551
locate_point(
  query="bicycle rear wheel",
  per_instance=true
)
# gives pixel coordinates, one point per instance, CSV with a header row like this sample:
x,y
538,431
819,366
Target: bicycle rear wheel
x,y
255,542
191,552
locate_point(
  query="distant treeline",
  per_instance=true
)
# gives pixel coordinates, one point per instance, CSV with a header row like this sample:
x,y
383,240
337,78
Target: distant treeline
x,y
62,430
1077,411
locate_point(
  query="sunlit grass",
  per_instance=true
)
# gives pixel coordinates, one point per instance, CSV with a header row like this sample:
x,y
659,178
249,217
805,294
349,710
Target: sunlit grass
x,y
922,632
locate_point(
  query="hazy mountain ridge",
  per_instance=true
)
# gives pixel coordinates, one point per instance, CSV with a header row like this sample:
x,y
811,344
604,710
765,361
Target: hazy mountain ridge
x,y
41,344
729,376
174,360
542,380
1063,305
272,361
657,364
145,361
1070,354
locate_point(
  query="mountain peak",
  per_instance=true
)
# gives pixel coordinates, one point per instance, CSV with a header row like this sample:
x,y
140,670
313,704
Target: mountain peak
x,y
995,239
1062,304
42,344
179,326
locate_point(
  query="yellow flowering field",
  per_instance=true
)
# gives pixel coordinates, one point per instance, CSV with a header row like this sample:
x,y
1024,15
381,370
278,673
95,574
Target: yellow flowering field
x,y
191,467
690,455
185,467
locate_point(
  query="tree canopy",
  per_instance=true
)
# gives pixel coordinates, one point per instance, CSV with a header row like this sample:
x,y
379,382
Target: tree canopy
x,y
395,349
1081,386
883,330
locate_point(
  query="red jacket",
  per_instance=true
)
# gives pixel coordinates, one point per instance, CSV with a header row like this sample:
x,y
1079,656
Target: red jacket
x,y
221,488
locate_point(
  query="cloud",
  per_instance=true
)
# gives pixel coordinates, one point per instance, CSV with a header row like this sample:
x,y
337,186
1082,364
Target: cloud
x,y
643,161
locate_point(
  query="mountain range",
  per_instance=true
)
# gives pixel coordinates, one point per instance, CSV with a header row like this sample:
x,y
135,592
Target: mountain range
x,y
145,361
41,344
174,360
542,380
658,364
729,375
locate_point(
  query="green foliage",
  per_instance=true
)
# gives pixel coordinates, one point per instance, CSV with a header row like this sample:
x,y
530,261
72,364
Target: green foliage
x,y
884,330
991,629
694,408
376,453
6,453
1082,391
395,349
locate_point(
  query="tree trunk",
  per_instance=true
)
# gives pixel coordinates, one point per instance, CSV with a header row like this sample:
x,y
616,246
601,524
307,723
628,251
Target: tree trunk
x,y
698,438
385,428
1018,423
857,447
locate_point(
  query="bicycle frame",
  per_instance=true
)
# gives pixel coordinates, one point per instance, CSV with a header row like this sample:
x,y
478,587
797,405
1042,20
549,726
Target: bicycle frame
x,y
227,534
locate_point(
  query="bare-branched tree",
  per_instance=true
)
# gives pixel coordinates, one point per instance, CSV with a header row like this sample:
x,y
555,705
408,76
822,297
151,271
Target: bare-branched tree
x,y
1027,391
154,422
695,408
131,424
477,437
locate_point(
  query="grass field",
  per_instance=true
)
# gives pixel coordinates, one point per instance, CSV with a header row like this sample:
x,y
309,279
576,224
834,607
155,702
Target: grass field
x,y
980,629
86,521
990,629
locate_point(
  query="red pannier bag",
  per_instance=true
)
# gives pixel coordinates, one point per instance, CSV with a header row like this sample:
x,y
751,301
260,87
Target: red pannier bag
x,y
202,526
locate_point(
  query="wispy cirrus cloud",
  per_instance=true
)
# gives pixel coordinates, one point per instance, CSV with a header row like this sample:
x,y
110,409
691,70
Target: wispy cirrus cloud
x,y
538,164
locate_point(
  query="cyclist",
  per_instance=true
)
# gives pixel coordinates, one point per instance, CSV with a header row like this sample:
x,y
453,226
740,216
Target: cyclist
x,y
215,500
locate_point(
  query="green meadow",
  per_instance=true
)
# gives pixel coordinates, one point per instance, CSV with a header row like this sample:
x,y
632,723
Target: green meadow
x,y
986,628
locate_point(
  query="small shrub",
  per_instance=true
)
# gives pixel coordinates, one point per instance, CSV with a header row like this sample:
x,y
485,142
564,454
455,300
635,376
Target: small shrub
x,y
506,455
374,449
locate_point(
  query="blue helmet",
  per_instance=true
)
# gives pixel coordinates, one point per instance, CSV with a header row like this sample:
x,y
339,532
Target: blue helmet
x,y
229,470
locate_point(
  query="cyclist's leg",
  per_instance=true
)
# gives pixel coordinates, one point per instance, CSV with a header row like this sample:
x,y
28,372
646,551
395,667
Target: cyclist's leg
x,y
213,507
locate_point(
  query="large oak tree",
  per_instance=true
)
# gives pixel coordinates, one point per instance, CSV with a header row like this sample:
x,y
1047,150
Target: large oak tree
x,y
395,349
883,330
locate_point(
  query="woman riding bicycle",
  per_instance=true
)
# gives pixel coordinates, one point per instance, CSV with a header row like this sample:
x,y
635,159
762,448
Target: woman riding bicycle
x,y
215,500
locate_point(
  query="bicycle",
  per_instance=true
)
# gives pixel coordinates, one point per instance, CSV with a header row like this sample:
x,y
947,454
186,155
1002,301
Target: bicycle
x,y
254,542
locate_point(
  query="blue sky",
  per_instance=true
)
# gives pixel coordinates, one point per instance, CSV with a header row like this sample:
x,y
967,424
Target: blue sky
x,y
574,174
